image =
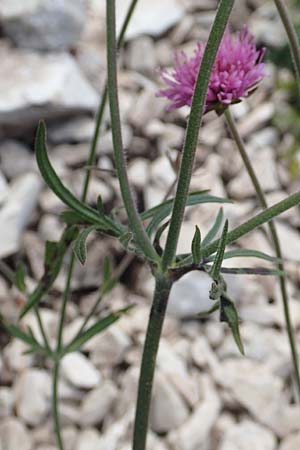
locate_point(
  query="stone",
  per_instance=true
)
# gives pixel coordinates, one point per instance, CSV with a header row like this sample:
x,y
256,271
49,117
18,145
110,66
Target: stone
x,y
76,130
17,210
248,435
15,357
16,159
153,18
194,433
33,393
79,371
137,50
89,439
6,401
14,435
109,347
97,404
52,86
168,410
43,24
291,442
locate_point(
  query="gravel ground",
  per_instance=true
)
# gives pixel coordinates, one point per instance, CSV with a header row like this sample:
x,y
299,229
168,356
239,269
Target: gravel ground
x,y
206,396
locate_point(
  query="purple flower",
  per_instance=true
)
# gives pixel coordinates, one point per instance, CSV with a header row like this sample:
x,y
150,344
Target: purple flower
x,y
237,70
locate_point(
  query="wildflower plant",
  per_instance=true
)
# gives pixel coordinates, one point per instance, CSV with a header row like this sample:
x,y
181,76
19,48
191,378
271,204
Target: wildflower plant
x,y
219,74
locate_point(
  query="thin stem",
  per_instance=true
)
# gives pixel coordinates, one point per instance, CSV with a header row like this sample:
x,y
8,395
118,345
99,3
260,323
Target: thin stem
x,y
135,222
194,123
90,163
292,37
155,324
282,278
256,221
42,329
57,426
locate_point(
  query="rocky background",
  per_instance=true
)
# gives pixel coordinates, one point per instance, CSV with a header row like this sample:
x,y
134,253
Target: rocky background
x,y
206,396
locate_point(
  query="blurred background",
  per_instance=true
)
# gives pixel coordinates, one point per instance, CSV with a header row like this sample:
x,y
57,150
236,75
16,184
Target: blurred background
x,y
206,396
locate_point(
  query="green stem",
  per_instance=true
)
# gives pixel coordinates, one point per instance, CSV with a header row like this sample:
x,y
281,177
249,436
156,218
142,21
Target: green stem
x,y
292,37
135,222
282,278
256,221
57,427
155,324
42,329
90,163
194,123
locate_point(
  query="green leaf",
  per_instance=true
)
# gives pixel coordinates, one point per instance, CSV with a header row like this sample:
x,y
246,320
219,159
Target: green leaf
x,y
108,283
28,339
253,271
20,278
248,253
214,229
72,218
98,327
125,239
228,314
55,184
217,264
204,314
100,206
79,247
162,211
196,246
107,269
51,250
158,236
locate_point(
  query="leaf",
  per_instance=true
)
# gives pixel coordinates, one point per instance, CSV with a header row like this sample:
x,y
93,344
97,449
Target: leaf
x,y
162,211
228,314
125,239
99,326
253,271
108,283
214,229
217,264
196,246
206,313
51,251
248,253
20,278
100,206
157,238
55,184
28,339
79,247
72,218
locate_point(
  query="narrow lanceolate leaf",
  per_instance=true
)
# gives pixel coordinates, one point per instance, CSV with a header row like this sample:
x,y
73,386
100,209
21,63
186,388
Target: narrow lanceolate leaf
x,y
196,246
261,271
98,327
54,255
162,211
206,313
28,339
158,236
55,184
215,270
100,206
214,229
247,253
73,218
20,278
228,314
79,247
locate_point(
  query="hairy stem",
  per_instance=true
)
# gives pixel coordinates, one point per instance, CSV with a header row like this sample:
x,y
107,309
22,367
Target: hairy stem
x,y
273,232
194,123
57,427
135,222
86,184
292,37
155,324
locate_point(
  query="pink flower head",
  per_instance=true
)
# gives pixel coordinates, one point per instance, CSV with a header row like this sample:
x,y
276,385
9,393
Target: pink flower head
x,y
237,70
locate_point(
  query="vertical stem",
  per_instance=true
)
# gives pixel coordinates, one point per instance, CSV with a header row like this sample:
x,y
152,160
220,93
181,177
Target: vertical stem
x,y
282,279
57,427
155,324
135,222
292,37
194,123
90,163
